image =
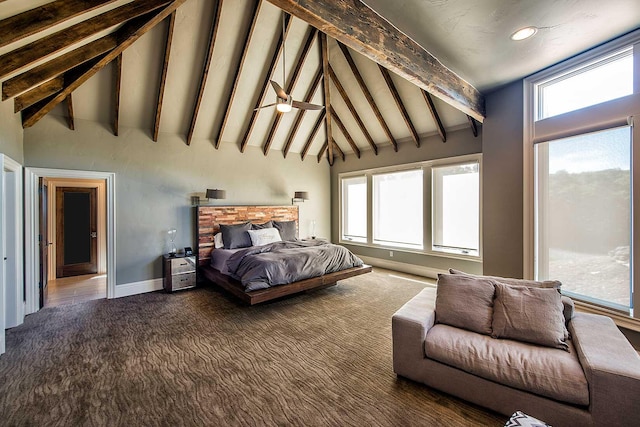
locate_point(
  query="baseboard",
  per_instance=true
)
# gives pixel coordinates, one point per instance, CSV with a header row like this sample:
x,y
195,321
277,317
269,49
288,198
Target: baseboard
x,y
418,270
135,288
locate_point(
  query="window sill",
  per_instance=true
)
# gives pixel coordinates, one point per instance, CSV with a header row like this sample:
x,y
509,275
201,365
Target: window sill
x,y
622,320
471,258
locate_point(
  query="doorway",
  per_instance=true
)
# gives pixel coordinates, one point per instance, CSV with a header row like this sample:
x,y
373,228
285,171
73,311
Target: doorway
x,y
72,223
104,183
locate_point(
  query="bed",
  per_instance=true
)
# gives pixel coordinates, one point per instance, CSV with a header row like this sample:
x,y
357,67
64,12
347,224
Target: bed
x,y
208,223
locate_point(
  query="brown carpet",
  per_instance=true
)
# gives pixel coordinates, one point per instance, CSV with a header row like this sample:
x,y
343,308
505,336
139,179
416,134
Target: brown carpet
x,y
198,357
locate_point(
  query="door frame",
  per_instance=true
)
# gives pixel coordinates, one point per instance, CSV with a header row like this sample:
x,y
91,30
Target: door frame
x,y
32,258
12,307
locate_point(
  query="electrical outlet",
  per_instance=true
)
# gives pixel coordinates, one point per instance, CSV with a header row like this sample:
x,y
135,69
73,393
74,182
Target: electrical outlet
x,y
391,254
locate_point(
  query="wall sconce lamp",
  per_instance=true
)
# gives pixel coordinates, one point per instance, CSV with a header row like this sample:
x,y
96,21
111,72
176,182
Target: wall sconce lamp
x,y
216,194
300,196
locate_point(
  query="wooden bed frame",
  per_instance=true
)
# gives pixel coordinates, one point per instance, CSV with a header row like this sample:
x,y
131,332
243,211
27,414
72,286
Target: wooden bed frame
x,y
208,220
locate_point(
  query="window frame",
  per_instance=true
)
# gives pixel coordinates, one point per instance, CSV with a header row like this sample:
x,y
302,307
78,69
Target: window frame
x,y
426,167
602,116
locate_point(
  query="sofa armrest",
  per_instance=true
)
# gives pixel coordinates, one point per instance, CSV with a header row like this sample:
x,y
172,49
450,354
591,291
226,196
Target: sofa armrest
x,y
612,368
409,326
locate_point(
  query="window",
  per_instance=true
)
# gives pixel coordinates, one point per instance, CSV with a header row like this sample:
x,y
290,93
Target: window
x,y
354,205
584,214
397,209
430,207
582,172
456,208
607,78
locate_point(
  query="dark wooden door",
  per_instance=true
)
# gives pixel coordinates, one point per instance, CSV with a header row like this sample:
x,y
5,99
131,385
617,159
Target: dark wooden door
x,y
76,231
43,239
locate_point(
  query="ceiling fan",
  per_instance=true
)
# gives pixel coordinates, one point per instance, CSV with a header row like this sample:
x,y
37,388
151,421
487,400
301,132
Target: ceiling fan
x,y
284,102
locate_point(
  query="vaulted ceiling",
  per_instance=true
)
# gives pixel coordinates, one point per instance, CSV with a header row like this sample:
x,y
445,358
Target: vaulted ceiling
x,y
200,68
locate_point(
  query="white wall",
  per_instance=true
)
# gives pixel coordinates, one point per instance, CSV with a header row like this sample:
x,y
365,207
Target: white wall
x,y
156,180
10,132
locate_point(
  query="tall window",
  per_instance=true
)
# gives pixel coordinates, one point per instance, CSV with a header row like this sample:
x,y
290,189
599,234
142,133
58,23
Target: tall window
x,y
456,208
397,209
354,206
584,171
431,207
584,214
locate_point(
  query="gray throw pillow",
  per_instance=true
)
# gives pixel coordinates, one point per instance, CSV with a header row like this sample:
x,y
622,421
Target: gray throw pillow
x,y
529,314
268,224
287,229
236,236
555,284
465,302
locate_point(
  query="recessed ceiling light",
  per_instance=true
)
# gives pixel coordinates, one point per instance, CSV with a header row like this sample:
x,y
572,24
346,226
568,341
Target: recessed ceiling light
x,y
524,33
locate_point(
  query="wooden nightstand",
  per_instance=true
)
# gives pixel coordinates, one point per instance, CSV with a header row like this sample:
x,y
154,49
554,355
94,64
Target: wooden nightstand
x,y
179,272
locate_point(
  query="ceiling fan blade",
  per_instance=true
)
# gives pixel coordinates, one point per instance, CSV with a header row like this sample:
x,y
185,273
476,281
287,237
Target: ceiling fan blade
x,y
306,105
264,106
279,91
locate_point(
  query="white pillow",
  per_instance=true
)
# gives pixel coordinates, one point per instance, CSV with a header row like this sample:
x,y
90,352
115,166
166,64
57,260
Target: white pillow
x,y
264,236
217,241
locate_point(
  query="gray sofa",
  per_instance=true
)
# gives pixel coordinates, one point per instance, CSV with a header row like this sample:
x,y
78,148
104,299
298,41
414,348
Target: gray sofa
x,y
595,383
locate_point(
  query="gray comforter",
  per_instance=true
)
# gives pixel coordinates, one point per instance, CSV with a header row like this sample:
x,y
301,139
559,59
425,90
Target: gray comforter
x,y
260,267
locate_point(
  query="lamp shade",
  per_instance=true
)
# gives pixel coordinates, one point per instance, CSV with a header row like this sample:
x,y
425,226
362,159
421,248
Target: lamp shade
x,y
216,194
304,195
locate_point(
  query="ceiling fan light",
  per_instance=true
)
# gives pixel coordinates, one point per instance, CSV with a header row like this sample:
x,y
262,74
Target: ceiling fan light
x,y
283,106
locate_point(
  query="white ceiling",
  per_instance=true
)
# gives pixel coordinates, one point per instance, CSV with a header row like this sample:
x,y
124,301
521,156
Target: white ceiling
x,y
470,37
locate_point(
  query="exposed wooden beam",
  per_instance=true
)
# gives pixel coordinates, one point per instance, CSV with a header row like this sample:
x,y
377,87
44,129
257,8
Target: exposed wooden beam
x,y
301,113
205,68
400,105
129,33
355,24
70,118
57,66
352,109
254,12
473,126
38,93
265,83
367,94
345,132
434,114
163,76
291,86
337,148
117,83
327,93
322,151
48,45
46,16
312,136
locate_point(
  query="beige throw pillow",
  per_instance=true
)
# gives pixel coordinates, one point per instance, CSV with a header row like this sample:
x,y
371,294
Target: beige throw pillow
x,y
465,302
529,314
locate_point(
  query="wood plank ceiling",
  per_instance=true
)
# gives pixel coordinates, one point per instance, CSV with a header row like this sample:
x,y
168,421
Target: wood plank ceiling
x,y
202,68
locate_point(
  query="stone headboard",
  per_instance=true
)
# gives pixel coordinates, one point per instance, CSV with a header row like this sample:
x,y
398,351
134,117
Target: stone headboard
x,y
209,218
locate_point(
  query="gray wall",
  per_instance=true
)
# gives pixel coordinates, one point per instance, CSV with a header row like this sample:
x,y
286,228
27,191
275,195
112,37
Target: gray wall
x,y
502,189
10,132
155,182
458,143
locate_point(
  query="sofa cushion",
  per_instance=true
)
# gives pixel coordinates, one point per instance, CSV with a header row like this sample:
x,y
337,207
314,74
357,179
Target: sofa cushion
x,y
566,301
540,370
465,302
529,314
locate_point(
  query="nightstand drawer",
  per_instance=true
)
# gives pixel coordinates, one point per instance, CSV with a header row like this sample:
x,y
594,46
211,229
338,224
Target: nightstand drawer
x,y
181,281
183,265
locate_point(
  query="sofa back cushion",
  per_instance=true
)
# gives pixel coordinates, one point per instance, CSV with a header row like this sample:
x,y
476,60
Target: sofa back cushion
x,y
465,302
533,315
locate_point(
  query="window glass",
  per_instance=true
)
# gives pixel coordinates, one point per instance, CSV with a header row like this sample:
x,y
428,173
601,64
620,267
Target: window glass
x,y
456,208
583,214
354,209
398,209
609,78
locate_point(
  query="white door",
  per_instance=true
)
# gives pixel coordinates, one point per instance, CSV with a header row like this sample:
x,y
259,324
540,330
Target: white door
x,y
3,308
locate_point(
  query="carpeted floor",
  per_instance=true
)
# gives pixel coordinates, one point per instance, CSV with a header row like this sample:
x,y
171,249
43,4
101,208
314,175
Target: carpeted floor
x,y
198,357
